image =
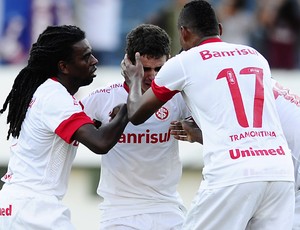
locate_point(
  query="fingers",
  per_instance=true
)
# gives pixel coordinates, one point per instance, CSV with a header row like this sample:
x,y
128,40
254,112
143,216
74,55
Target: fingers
x,y
137,58
125,62
178,123
123,66
176,128
181,138
97,123
114,112
178,132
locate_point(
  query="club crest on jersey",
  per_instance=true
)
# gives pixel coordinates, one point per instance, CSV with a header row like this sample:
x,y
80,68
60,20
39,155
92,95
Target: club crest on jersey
x,y
162,114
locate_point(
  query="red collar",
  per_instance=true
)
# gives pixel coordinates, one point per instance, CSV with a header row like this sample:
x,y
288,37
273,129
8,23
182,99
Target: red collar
x,y
210,40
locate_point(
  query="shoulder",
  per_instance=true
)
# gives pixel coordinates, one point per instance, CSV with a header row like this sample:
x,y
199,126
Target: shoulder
x,y
105,92
52,91
114,87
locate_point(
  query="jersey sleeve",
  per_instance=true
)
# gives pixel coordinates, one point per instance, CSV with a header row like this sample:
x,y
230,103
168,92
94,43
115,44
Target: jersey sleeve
x,y
68,127
185,111
63,115
169,80
162,93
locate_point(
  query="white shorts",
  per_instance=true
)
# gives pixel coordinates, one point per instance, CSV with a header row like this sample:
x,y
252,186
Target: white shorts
x,y
148,221
296,225
255,205
22,208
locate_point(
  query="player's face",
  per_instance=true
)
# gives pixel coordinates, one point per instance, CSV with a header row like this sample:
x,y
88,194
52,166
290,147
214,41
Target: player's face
x,y
82,67
151,67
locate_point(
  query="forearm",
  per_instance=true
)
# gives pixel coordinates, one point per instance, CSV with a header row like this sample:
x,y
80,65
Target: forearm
x,y
134,99
101,140
112,131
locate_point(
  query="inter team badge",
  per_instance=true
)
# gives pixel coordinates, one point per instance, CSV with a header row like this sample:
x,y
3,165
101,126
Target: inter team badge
x,y
162,114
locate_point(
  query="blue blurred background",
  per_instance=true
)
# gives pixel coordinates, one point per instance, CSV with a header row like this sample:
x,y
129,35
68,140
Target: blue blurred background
x,y
270,26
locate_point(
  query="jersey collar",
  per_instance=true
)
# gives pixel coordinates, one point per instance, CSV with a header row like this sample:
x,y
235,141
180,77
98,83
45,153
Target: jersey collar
x,y
210,40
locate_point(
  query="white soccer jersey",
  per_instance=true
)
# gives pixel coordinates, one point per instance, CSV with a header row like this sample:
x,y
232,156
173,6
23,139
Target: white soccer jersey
x,y
288,106
141,172
233,104
42,156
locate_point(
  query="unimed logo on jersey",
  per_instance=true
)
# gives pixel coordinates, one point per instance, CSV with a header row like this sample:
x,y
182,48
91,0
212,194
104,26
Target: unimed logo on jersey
x,y
162,114
251,152
6,211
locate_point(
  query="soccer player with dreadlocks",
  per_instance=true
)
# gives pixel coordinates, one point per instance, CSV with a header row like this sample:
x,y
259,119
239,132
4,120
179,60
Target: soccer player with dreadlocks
x,y
46,124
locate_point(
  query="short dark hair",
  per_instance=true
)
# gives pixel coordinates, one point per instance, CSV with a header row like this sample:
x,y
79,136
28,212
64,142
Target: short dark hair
x,y
200,17
53,45
149,40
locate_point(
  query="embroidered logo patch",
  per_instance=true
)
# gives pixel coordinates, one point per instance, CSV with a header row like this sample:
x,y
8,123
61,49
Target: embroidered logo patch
x,y
162,114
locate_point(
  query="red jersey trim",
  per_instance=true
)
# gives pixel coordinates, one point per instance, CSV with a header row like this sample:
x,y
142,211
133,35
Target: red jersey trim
x,y
68,127
126,87
210,40
162,93
54,79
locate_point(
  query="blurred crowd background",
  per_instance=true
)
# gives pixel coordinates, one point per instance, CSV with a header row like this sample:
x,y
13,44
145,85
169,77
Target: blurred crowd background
x,y
270,26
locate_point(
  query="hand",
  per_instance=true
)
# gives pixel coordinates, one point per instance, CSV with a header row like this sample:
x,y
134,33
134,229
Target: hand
x,y
130,71
97,123
186,130
116,110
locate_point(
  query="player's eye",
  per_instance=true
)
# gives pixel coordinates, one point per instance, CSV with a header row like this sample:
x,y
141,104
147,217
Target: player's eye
x,y
157,69
146,69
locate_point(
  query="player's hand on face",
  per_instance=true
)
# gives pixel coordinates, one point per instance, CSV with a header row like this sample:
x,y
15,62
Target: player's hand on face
x,y
119,108
123,73
186,130
130,71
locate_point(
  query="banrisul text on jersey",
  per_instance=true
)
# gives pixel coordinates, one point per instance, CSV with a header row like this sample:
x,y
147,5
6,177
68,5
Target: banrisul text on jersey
x,y
146,137
208,54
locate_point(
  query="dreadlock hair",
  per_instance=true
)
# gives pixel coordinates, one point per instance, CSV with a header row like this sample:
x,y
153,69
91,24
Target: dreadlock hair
x,y
200,17
53,45
149,40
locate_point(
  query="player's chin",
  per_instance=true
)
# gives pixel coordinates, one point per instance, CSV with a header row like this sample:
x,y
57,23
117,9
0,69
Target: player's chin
x,y
93,76
88,81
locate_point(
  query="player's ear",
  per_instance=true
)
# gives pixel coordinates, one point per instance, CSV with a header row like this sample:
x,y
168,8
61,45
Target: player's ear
x,y
184,32
220,29
62,67
187,34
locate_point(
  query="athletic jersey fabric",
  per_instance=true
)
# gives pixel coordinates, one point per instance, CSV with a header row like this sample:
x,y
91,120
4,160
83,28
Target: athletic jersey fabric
x,y
42,156
241,143
288,106
141,172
